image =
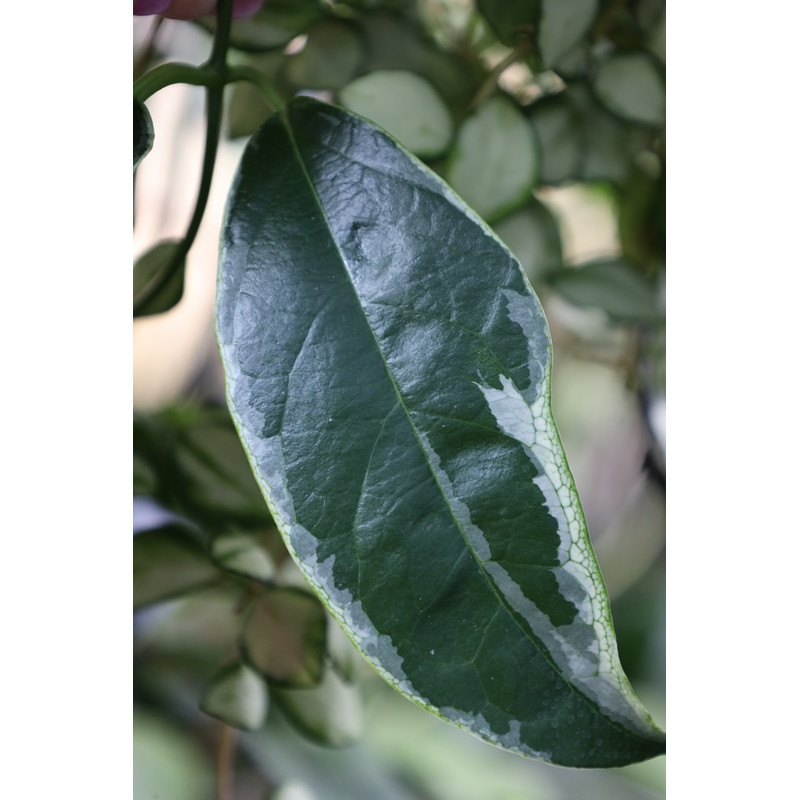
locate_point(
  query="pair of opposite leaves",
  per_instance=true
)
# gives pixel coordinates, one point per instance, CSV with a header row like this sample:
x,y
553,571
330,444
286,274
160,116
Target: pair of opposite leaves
x,y
387,367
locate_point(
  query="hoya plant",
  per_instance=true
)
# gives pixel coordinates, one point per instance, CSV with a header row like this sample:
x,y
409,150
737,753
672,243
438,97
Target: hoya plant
x,y
385,484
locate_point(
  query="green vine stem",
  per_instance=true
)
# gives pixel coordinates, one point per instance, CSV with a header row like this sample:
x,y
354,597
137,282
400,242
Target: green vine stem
x,y
212,75
168,74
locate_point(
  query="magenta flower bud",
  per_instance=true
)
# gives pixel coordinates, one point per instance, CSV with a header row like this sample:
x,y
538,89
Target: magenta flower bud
x,y
246,8
142,8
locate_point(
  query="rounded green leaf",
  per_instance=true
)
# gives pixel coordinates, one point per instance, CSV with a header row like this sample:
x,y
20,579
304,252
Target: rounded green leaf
x,y
631,85
284,636
237,696
558,131
167,562
562,24
158,279
247,108
406,105
396,43
388,369
330,713
495,161
329,59
142,132
532,235
242,553
511,20
613,286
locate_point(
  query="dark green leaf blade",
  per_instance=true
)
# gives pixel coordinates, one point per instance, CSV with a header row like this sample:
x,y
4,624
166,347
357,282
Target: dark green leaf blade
x,y
237,696
142,132
612,285
168,562
284,637
388,370
158,279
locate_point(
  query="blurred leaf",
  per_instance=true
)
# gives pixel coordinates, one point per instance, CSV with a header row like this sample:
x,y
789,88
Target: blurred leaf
x,y
201,627
278,22
158,279
242,553
388,370
557,127
395,43
239,697
284,636
198,469
574,63
145,478
631,85
329,59
609,146
562,25
495,160
532,234
167,761
168,562
214,477
142,132
613,286
511,19
330,714
580,140
247,107
642,216
293,790
405,105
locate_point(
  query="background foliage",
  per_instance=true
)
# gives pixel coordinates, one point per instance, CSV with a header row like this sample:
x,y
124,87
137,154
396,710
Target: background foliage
x,y
558,141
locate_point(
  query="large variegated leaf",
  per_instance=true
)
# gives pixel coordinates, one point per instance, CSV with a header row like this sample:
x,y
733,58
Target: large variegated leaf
x,y
388,369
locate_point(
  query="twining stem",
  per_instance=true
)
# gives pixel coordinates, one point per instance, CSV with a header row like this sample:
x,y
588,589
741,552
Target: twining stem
x,y
213,76
168,74
225,751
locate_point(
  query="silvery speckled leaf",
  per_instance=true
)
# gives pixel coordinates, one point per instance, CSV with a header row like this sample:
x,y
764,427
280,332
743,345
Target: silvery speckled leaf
x,y
388,369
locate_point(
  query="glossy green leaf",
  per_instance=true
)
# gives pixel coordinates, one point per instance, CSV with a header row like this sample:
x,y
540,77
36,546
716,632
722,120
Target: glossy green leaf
x,y
406,105
613,286
274,26
239,697
562,24
388,369
167,562
330,713
158,279
532,235
283,636
142,132
329,59
631,85
495,159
